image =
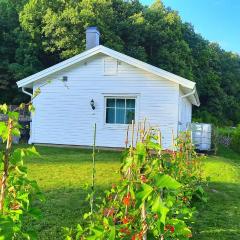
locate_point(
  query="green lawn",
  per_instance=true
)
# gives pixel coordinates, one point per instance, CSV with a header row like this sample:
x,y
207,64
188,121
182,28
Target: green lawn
x,y
63,172
219,219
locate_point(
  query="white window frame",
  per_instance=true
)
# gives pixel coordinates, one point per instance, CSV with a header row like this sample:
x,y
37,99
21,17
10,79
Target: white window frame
x,y
120,96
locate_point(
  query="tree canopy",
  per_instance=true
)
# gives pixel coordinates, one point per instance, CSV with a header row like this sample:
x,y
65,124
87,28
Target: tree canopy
x,y
35,34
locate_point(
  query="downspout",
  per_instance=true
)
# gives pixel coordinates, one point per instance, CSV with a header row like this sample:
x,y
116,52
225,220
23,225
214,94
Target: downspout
x,y
190,94
187,95
26,92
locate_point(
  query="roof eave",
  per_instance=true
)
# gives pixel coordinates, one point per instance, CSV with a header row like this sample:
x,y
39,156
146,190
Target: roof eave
x,y
120,56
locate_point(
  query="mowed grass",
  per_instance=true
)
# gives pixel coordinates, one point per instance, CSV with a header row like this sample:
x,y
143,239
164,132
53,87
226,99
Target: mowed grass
x,y
63,172
219,218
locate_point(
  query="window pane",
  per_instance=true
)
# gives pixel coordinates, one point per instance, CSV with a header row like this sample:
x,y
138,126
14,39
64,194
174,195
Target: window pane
x,y
120,103
110,102
110,115
130,103
120,115
130,115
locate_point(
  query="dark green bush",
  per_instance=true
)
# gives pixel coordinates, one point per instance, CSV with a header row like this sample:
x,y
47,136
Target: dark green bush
x,y
235,141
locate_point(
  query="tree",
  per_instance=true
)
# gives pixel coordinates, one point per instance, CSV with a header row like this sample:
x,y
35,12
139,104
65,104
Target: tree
x,y
36,34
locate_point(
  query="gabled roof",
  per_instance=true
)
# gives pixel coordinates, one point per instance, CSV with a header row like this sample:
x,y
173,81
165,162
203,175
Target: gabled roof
x,y
185,83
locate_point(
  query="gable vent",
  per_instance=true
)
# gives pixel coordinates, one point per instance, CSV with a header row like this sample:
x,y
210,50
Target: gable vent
x,y
110,66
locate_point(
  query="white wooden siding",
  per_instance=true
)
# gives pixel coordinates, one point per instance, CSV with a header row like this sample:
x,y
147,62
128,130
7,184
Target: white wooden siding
x,y
64,116
185,112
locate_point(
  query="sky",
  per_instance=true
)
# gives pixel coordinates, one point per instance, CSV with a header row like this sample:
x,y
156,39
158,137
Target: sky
x,y
216,20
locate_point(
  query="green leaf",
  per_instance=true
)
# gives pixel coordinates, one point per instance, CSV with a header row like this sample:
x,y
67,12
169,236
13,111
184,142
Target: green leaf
x,y
159,207
32,152
86,215
17,156
166,181
4,108
24,197
79,231
144,192
31,108
112,234
21,169
154,146
35,212
3,131
98,234
13,115
30,235
16,132
3,127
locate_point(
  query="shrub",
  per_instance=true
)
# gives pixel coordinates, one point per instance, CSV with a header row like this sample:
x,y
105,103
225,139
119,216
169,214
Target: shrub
x,y
235,141
154,197
17,191
229,137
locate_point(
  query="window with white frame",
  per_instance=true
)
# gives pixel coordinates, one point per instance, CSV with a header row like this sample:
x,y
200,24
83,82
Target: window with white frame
x,y
120,110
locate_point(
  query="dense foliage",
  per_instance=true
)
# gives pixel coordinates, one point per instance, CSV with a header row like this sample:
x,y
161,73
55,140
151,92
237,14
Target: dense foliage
x,y
229,137
37,33
17,191
154,197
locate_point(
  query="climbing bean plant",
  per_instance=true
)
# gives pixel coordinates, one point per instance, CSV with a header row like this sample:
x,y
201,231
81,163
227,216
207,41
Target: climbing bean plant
x,y
17,191
154,198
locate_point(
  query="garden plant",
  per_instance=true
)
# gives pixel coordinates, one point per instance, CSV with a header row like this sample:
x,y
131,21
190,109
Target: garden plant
x,y
154,199
18,193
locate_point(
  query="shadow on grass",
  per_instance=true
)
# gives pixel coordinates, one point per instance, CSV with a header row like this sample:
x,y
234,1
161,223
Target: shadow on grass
x,y
64,207
70,155
229,153
219,218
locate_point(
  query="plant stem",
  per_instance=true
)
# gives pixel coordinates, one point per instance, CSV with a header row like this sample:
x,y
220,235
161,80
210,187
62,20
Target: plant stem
x,y
132,142
6,163
93,167
144,224
126,141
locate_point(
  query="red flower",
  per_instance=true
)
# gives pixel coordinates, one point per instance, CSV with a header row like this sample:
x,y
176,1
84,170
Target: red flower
x,y
125,230
172,229
108,212
169,227
138,236
15,206
125,220
143,178
189,235
185,199
127,200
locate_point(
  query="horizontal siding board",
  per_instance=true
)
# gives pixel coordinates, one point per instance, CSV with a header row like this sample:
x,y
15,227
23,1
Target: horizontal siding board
x,y
64,116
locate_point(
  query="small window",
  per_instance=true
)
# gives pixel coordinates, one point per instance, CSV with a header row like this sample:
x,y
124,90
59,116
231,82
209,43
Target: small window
x,y
120,110
110,66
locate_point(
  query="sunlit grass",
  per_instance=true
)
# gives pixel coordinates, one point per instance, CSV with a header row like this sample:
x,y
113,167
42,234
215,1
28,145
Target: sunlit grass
x,y
63,172
219,218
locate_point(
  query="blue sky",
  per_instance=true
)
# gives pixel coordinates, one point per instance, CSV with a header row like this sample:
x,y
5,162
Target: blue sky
x,y
216,20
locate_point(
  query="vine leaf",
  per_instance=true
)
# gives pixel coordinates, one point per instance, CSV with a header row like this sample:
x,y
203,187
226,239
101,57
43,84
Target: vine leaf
x,y
159,207
144,192
166,181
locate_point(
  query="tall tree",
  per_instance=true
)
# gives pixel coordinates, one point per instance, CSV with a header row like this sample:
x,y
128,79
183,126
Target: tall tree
x,y
35,34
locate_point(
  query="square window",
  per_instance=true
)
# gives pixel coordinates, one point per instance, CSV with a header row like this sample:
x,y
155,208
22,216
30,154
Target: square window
x,y
110,115
120,110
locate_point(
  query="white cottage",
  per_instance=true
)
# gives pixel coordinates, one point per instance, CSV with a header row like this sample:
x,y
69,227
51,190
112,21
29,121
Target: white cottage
x,y
108,88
